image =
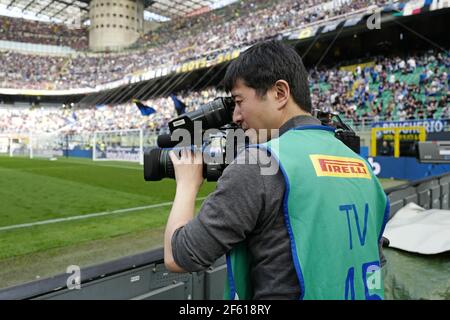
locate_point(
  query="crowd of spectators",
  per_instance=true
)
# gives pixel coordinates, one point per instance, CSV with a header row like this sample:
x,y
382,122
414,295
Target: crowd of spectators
x,y
175,41
390,89
246,22
68,72
25,30
100,117
415,87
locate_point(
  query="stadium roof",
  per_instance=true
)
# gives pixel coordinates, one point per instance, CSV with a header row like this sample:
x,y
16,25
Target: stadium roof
x,y
65,11
71,11
180,8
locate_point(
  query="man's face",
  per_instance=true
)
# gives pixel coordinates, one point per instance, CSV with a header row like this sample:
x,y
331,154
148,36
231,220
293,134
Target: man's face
x,y
252,111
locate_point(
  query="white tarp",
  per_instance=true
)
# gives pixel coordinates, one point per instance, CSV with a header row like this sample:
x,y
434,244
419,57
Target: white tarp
x,y
418,230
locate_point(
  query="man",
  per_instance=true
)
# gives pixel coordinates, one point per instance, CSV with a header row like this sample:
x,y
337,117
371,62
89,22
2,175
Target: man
x,y
385,149
308,231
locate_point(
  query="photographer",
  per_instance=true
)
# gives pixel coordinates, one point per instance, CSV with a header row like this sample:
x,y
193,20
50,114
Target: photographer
x,y
308,231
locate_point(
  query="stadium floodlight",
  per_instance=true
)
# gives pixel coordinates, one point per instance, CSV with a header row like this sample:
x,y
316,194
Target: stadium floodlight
x,y
122,145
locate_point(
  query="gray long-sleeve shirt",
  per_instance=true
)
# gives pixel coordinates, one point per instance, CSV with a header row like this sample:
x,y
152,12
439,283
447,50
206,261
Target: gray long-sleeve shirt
x,y
245,205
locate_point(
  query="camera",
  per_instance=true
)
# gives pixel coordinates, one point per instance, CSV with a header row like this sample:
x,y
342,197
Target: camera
x,y
342,131
210,130
206,129
434,152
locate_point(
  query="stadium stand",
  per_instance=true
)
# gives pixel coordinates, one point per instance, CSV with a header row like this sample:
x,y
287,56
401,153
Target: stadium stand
x,y
124,116
23,30
176,42
391,89
246,22
414,87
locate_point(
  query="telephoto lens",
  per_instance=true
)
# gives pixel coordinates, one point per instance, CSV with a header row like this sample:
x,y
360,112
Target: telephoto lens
x,y
158,165
212,115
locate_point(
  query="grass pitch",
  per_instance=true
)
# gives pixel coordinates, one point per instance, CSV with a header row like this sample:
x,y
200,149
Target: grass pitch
x,y
39,190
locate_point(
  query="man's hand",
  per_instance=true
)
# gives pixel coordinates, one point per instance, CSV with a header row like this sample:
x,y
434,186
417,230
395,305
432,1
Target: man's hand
x,y
188,168
189,175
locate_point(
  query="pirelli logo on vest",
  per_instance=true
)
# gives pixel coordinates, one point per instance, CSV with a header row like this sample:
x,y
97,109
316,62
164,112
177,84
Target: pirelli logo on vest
x,y
340,167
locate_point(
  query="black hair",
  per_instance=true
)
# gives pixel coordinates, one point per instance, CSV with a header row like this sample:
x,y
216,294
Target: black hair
x,y
260,66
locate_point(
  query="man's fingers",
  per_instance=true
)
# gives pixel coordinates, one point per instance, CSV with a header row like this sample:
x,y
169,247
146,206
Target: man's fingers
x,y
198,157
185,156
175,156
172,156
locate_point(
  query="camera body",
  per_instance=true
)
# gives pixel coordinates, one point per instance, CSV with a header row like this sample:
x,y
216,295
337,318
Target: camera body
x,y
205,129
210,130
342,132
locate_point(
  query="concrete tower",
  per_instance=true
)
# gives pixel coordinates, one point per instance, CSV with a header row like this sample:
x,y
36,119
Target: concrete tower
x,y
115,24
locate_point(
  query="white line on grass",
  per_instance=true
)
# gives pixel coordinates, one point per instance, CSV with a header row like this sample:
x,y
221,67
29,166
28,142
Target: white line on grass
x,y
86,216
100,164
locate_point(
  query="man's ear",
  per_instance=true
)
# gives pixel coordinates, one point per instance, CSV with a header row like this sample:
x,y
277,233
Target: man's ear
x,y
282,93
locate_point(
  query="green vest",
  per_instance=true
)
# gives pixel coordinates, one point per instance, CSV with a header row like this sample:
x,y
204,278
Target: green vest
x,y
335,212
